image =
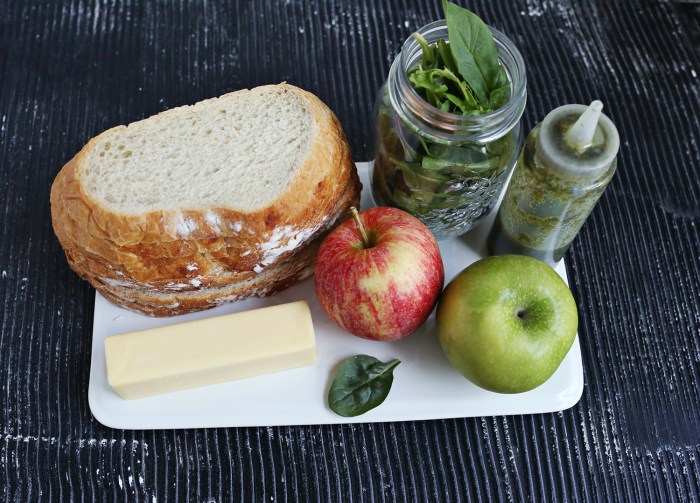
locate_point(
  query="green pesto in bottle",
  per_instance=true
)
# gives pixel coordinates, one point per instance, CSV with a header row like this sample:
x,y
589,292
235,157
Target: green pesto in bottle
x,y
563,169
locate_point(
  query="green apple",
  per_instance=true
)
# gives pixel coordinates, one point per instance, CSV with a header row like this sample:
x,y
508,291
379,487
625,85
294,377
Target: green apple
x,y
506,322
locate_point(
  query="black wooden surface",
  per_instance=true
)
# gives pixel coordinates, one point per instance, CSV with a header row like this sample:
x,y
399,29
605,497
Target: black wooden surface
x,y
69,70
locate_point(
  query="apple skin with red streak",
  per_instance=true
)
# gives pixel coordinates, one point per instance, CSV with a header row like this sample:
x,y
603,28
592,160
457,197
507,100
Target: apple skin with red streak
x,y
386,290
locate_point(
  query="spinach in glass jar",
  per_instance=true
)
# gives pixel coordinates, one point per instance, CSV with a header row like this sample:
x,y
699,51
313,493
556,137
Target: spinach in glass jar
x,y
448,126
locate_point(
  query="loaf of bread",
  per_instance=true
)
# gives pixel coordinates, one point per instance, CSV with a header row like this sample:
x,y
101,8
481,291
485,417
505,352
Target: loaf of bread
x,y
222,200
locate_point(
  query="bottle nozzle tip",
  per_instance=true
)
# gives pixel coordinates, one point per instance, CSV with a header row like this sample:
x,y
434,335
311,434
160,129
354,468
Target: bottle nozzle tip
x,y
596,106
582,132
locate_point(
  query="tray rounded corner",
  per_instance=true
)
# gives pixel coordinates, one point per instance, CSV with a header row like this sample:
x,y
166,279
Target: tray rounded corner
x,y
94,399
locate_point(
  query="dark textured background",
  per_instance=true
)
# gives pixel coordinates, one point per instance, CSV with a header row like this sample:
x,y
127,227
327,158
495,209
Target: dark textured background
x,y
69,70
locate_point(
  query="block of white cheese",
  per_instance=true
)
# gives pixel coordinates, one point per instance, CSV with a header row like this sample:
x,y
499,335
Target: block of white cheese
x,y
209,351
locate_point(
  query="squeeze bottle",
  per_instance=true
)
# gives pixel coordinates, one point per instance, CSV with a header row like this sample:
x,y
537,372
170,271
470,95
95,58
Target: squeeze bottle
x,y
563,169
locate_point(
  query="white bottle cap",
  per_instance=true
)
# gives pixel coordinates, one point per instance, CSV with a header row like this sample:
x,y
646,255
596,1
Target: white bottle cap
x,y
578,141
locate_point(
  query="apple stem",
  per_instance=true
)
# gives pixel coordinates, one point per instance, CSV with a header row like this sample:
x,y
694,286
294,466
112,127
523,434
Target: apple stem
x,y
356,217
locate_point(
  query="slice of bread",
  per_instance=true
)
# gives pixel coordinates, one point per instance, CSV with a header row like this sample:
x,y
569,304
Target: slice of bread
x,y
204,196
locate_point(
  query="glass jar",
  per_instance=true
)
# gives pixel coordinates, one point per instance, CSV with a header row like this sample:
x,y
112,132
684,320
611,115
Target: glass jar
x,y
448,170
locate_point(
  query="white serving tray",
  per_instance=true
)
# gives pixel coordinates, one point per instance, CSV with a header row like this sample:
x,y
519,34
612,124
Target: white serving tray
x,y
425,385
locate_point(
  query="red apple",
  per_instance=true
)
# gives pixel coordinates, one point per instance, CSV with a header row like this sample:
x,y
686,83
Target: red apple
x,y
379,274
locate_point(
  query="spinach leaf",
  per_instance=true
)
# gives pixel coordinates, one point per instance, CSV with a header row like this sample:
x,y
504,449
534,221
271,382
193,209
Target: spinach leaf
x,y
499,97
418,178
464,163
462,75
428,54
474,51
361,384
446,56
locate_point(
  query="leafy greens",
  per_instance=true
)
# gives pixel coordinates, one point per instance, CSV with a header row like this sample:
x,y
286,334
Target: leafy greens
x,y
462,75
361,384
447,183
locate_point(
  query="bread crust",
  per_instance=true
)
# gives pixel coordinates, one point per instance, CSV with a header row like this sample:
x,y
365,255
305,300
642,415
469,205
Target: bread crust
x,y
157,303
221,246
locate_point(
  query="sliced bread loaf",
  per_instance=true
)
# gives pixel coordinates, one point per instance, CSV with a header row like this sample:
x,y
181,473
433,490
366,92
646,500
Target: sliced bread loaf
x,y
204,196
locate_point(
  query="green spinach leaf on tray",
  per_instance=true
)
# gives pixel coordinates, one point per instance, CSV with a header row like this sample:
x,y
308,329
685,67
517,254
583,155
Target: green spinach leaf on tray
x,y
361,384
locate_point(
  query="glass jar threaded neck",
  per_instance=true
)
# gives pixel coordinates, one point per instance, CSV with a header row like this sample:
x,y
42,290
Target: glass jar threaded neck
x,y
445,126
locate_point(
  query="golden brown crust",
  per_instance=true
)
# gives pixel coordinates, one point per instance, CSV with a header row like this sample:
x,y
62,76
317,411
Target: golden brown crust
x,y
222,246
152,303
91,264
172,302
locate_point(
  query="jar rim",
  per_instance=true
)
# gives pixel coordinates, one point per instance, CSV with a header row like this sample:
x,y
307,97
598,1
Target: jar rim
x,y
450,126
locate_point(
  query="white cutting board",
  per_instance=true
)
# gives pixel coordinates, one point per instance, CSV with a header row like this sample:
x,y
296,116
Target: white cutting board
x,y
425,385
